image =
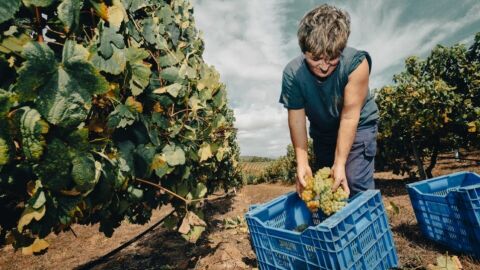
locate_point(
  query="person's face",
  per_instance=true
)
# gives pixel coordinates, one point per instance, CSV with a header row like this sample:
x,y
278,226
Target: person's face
x,y
319,66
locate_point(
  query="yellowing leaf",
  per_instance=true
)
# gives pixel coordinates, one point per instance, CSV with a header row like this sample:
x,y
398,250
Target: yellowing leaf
x,y
158,162
11,61
190,219
472,127
116,14
28,214
172,89
101,9
37,246
205,152
194,103
134,105
445,118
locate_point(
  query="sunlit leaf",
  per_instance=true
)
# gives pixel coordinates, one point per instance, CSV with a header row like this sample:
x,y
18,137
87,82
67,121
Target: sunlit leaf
x,y
37,246
30,214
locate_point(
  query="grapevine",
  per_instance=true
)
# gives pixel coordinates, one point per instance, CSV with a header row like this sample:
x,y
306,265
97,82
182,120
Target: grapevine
x,y
95,95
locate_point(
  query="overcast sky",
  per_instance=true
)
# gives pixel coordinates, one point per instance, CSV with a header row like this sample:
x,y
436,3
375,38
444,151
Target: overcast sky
x,y
250,41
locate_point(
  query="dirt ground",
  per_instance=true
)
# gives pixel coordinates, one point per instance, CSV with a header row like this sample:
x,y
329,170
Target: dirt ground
x,y
221,247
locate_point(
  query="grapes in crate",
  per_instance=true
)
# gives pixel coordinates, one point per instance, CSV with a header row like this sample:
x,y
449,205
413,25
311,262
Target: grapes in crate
x,y
318,193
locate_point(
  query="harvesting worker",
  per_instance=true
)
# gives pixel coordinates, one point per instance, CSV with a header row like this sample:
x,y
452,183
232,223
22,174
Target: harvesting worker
x,y
328,83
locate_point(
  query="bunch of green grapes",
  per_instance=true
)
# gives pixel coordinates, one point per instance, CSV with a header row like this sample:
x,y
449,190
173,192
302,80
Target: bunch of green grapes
x,y
318,194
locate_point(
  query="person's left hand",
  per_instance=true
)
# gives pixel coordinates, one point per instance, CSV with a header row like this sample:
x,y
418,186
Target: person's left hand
x,y
340,177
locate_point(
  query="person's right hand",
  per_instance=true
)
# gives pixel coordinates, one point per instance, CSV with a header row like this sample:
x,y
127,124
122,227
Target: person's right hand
x,y
302,172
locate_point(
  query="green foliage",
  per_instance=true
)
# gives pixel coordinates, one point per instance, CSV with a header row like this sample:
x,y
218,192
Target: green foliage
x,y
117,91
285,168
433,106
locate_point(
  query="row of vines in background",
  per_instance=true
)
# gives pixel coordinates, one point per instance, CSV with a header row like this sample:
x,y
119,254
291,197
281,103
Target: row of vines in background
x,y
96,96
432,107
282,169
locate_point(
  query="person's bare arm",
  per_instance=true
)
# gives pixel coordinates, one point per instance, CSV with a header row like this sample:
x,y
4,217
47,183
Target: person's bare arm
x,y
355,94
297,124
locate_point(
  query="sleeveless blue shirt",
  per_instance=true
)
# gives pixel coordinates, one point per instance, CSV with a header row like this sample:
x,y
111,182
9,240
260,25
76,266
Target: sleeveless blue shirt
x,y
323,99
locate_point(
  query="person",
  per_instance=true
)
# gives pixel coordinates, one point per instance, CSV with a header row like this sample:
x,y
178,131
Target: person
x,y
328,83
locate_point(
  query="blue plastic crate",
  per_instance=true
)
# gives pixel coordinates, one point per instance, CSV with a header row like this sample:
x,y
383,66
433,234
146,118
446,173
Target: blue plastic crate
x,y
448,210
356,237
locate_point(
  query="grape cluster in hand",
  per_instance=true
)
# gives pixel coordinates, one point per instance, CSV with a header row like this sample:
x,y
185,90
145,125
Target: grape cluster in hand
x,y
318,193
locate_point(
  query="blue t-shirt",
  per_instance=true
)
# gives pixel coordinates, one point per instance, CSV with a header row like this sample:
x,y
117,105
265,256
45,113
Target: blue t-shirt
x,y
323,99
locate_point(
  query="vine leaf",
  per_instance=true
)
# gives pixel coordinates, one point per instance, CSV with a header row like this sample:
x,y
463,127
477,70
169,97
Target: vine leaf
x,y
174,155
85,172
8,8
205,152
38,3
108,38
140,72
37,246
30,214
64,90
33,130
69,13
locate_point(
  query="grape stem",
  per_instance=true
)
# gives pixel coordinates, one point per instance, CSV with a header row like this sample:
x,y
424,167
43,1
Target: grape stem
x,y
187,201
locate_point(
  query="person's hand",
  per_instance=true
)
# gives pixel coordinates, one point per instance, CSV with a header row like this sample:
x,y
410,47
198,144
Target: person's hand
x,y
340,177
302,172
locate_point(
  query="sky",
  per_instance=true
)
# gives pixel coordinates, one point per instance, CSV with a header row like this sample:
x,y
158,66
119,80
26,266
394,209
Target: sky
x,y
250,41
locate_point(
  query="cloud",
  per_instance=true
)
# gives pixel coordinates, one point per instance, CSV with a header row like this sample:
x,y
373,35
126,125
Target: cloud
x,y
244,41
389,37
250,42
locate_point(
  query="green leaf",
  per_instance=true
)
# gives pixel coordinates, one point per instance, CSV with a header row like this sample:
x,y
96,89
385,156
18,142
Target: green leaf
x,y
166,14
140,71
64,91
121,117
7,100
174,155
40,199
136,193
38,3
219,100
66,98
55,166
200,190
8,9
85,172
69,13
113,65
134,5
109,38
4,152
170,74
36,71
33,129
168,60
172,89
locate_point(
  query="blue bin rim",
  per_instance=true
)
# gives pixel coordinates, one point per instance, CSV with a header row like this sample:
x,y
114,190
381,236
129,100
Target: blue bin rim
x,y
414,185
330,222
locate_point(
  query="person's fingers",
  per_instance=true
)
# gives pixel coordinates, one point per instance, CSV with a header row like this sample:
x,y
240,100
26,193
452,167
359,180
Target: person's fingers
x,y
309,172
345,187
336,184
302,182
297,186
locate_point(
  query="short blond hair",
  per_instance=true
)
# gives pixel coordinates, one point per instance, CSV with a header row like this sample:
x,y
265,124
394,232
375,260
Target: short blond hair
x,y
324,31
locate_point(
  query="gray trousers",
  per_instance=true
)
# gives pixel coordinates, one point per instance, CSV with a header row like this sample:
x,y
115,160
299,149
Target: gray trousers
x,y
360,162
